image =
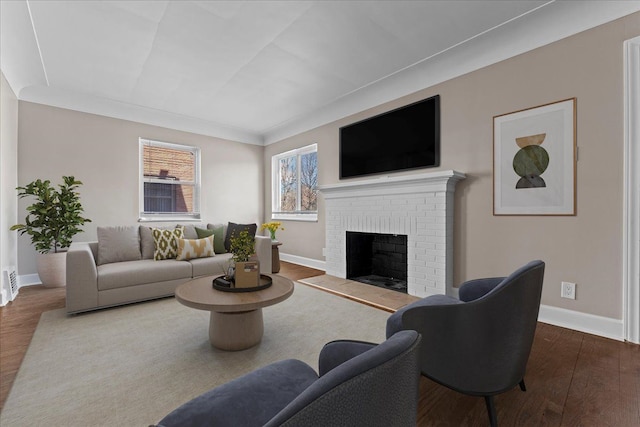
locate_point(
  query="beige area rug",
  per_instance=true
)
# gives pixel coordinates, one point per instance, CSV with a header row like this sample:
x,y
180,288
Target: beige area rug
x,y
130,366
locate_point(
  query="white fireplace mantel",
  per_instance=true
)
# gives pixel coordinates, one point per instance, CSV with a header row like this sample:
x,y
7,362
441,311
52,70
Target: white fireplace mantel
x,y
405,184
419,206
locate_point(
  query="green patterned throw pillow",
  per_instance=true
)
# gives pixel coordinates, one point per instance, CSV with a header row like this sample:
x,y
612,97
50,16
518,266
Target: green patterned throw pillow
x,y
166,242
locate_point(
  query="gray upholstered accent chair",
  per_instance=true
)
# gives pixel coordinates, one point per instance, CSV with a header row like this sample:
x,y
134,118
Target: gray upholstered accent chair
x,y
478,344
360,384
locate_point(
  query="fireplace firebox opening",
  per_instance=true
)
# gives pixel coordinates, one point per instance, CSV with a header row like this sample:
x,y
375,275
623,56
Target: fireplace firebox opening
x,y
377,259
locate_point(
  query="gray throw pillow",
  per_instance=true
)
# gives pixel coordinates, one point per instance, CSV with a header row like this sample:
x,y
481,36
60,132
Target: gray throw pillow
x,y
116,244
190,230
147,245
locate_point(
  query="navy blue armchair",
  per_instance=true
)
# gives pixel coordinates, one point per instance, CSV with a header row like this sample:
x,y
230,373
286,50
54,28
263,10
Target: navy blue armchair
x,y
478,344
359,384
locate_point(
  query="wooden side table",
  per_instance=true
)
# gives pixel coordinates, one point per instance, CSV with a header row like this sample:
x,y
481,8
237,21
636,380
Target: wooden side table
x,y
275,256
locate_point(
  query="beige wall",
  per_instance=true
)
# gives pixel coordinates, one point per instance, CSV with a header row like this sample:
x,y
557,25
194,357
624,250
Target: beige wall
x,y
103,153
587,248
8,177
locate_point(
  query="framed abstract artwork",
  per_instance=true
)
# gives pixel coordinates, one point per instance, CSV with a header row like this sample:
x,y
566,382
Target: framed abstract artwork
x,y
534,160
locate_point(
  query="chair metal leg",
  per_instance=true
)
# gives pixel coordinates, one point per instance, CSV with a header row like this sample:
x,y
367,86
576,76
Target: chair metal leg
x,y
491,409
522,386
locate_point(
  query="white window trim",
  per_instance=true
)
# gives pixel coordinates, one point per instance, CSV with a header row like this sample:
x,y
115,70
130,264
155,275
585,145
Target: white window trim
x,y
159,217
631,221
275,185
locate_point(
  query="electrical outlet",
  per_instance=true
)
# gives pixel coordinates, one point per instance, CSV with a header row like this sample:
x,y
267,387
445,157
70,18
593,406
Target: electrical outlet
x,y
568,290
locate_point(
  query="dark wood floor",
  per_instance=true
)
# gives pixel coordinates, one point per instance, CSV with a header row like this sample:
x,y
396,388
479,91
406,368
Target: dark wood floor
x,y
573,379
18,321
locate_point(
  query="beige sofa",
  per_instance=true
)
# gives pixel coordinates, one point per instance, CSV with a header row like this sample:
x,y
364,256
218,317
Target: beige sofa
x,y
120,270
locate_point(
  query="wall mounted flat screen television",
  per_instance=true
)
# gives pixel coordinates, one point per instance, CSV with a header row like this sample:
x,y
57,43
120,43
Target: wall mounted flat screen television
x,y
405,138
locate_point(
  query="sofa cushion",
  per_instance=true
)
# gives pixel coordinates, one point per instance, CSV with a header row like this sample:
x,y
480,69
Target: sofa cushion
x,y
166,242
212,266
132,273
236,229
219,234
194,248
116,244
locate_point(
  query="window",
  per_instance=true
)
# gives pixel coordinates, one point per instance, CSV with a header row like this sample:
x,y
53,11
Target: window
x,y
295,184
169,181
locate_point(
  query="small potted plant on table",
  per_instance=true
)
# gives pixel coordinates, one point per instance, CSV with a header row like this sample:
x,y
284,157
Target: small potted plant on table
x,y
247,273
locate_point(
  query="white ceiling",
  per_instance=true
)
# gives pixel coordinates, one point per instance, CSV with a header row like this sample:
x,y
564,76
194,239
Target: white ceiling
x,y
258,71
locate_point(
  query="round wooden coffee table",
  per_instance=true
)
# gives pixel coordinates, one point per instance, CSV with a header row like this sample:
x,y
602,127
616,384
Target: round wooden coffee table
x,y
236,317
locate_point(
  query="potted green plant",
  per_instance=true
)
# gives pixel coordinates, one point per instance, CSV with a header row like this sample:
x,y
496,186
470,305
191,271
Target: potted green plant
x,y
247,273
52,221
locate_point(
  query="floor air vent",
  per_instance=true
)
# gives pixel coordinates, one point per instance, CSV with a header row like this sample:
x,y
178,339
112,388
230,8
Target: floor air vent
x,y
12,280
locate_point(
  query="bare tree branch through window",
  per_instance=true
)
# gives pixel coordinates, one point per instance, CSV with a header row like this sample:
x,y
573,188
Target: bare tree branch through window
x,y
296,182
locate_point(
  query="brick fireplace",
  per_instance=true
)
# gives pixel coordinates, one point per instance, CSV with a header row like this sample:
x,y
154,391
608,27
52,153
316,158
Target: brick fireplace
x,y
419,206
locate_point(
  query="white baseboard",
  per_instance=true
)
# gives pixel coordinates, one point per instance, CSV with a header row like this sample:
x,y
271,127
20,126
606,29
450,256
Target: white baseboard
x,y
306,262
28,280
4,297
583,322
23,280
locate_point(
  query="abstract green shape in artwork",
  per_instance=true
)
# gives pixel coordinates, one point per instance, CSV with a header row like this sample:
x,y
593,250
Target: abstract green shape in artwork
x,y
531,160
529,163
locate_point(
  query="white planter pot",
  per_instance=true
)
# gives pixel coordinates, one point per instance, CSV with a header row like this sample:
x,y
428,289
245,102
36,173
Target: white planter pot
x,y
52,269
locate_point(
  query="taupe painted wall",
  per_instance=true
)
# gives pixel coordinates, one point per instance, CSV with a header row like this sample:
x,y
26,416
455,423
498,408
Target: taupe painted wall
x,y
587,248
8,176
103,153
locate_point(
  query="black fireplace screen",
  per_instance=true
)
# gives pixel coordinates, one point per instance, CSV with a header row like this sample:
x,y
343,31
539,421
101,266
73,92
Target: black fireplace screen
x,y
377,259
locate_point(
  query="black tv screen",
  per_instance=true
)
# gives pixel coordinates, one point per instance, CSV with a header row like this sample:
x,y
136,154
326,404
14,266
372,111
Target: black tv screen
x,y
401,139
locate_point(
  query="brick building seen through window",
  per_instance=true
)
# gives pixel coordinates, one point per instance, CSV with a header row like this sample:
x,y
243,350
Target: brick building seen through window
x,y
170,179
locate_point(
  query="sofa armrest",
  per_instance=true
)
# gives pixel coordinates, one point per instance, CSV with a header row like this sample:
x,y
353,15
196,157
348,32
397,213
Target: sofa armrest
x,y
263,251
82,278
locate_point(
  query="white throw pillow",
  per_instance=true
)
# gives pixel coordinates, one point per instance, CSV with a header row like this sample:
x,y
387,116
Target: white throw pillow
x,y
195,248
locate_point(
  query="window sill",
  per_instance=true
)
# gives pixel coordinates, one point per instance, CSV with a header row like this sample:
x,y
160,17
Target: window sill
x,y
295,217
168,218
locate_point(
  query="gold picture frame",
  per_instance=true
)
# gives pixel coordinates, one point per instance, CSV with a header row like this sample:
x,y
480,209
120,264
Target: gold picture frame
x,y
534,160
